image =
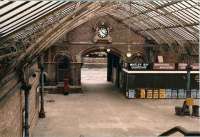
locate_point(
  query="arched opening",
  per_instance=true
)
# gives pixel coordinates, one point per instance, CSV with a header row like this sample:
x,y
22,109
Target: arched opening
x,y
100,65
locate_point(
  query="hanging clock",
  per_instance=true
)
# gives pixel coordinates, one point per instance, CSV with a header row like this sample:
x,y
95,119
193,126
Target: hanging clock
x,y
102,32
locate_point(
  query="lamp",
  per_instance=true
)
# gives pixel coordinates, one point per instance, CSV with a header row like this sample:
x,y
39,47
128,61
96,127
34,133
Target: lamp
x,y
108,50
129,54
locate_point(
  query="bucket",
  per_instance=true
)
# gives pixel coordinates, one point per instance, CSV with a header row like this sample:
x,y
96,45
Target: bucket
x,y
195,110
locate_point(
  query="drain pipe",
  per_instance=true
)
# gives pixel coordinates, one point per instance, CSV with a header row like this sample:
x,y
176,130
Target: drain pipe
x,y
26,88
42,112
26,107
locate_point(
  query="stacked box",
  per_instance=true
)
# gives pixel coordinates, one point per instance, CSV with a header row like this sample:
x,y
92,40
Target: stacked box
x,y
168,93
198,94
131,93
162,93
126,93
149,93
194,93
142,93
155,93
174,93
181,93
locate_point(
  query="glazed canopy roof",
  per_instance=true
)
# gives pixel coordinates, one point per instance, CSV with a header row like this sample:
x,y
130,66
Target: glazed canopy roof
x,y
163,21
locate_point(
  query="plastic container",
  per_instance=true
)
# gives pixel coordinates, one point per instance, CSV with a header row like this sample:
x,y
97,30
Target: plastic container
x,y
174,93
168,93
131,93
194,93
181,93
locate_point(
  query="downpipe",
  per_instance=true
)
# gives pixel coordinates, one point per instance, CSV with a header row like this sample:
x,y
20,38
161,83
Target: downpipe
x,y
42,112
26,88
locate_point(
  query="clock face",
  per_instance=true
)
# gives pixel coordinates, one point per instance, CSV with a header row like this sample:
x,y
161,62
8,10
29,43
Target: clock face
x,y
102,32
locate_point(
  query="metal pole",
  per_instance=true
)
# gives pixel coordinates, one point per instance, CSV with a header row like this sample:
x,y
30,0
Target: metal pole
x,y
42,112
188,92
26,96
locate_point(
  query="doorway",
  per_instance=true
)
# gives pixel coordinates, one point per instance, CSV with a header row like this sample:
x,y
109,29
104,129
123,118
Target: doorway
x,y
62,68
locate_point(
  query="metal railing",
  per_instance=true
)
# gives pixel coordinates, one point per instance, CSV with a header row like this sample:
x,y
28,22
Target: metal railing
x,y
181,130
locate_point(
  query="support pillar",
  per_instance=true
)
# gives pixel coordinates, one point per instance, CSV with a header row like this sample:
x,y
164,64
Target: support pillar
x,y
75,77
109,67
50,67
26,88
42,112
188,92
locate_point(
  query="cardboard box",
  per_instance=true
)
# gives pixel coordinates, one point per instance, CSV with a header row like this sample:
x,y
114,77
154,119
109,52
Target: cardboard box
x,y
155,94
162,93
149,94
142,93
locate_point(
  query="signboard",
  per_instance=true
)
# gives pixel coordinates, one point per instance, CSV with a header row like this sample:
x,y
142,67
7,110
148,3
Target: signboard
x,y
195,66
182,66
164,66
138,66
160,59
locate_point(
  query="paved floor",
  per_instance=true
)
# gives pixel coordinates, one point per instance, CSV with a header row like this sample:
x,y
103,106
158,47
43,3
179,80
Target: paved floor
x,y
102,111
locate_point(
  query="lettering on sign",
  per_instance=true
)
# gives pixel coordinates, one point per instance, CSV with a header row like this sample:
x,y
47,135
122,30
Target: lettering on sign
x,y
164,66
182,66
134,66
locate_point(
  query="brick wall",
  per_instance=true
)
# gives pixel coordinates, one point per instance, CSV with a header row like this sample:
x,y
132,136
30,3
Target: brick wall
x,y
11,116
11,108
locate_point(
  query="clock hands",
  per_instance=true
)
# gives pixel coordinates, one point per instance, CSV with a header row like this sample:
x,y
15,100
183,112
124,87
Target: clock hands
x,y
103,32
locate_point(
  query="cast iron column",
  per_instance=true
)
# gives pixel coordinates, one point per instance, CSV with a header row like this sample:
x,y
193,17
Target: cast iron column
x,y
188,92
26,89
41,113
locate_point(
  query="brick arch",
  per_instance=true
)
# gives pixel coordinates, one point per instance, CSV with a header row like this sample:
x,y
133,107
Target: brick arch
x,y
113,50
57,55
139,55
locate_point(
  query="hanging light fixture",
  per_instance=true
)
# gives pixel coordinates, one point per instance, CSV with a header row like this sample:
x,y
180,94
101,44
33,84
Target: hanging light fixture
x,y
129,54
108,50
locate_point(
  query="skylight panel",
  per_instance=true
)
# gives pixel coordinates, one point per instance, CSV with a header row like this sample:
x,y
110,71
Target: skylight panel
x,y
18,10
29,17
24,14
32,18
10,7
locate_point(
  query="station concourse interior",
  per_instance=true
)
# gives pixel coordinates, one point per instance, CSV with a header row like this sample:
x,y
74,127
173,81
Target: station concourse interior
x,y
99,68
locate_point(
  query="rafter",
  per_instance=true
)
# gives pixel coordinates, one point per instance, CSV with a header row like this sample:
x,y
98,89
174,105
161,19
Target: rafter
x,y
169,27
150,10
